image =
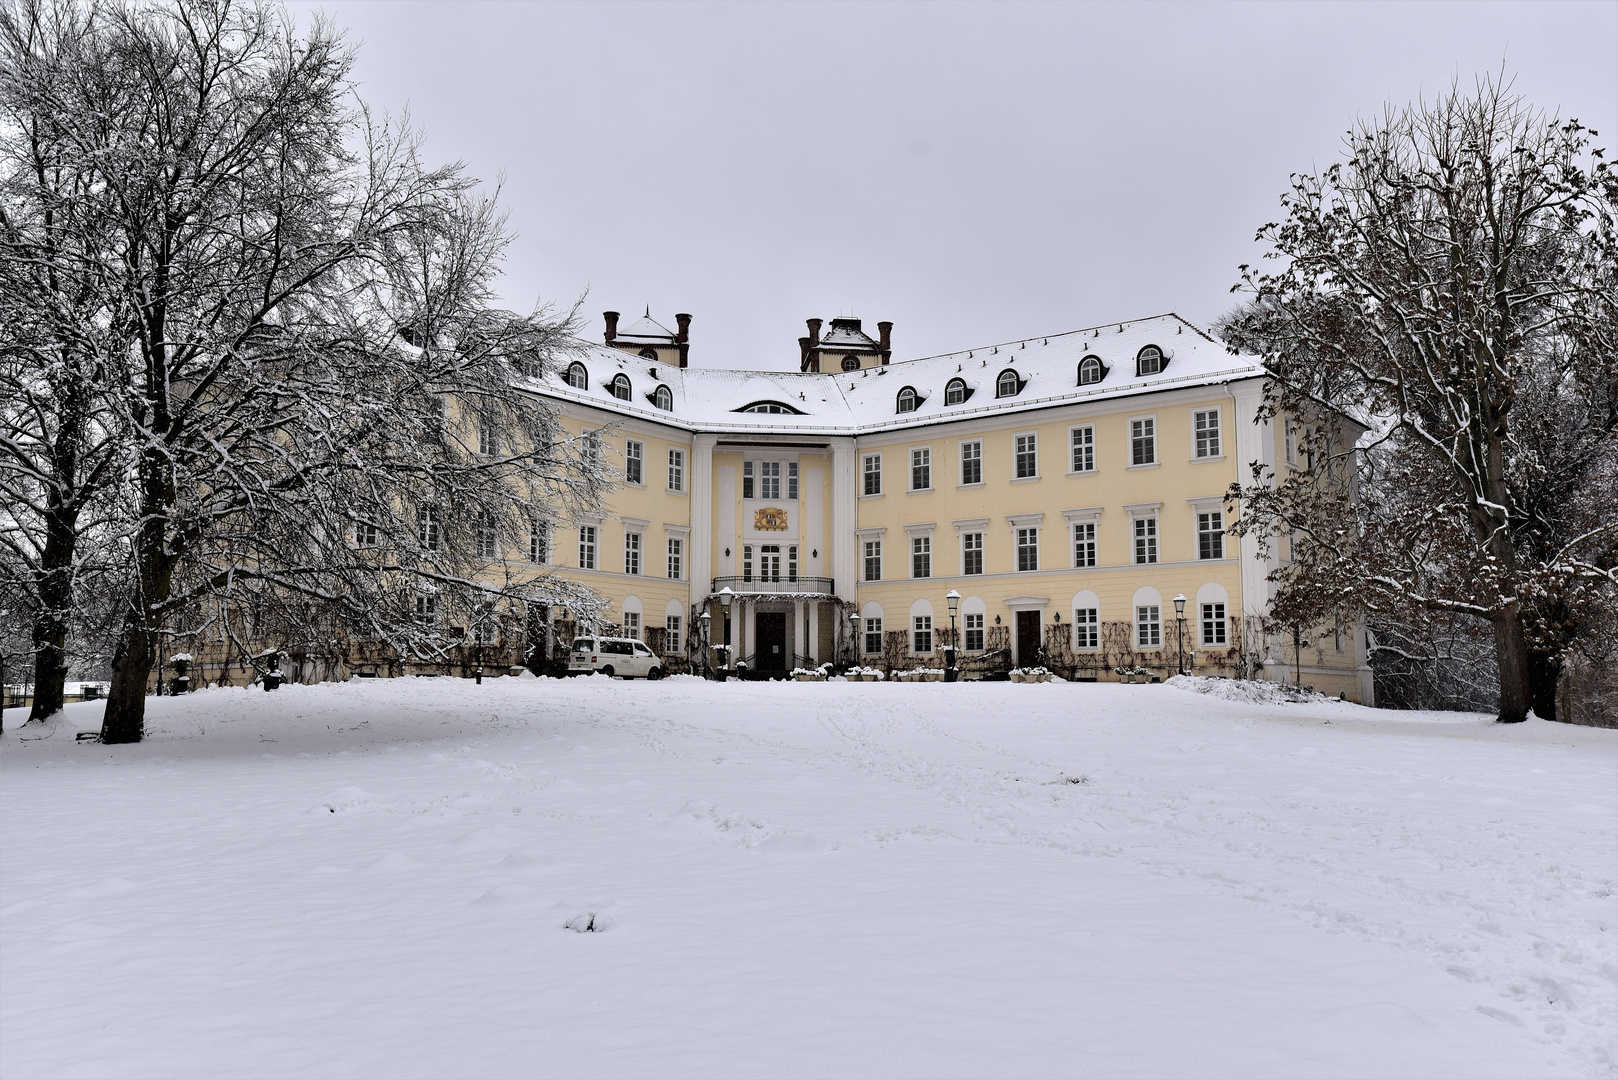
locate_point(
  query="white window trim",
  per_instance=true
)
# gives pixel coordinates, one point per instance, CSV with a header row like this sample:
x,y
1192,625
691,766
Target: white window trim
x,y
1129,442
910,465
881,472
642,481
1038,453
1084,515
1095,449
685,470
1191,429
630,524
959,447
1207,504
1136,511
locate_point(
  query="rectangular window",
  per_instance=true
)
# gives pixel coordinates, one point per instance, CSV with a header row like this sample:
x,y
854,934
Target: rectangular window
x,y
792,563
1027,549
427,529
1206,426
632,625
634,461
1291,439
427,610
921,556
1086,628
676,557
747,479
1211,535
592,447
484,538
676,470
587,547
1146,539
1027,456
1213,624
488,438
921,634
769,480
747,562
974,633
792,481
972,553
873,474
539,542
671,644
632,553
972,463
873,637
1148,627
364,534
1084,449
1084,544
873,560
1143,441
921,468
769,562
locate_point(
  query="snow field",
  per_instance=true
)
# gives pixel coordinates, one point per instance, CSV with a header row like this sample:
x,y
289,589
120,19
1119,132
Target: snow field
x,y
400,878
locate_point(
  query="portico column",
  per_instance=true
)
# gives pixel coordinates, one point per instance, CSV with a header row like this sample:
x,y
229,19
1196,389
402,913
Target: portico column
x,y
844,516
699,549
814,632
747,631
798,649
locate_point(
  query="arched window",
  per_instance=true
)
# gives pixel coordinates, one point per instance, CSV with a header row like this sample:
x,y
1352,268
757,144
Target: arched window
x,y
1090,371
1006,384
663,398
907,400
851,363
577,377
1149,361
770,407
647,354
955,392
620,386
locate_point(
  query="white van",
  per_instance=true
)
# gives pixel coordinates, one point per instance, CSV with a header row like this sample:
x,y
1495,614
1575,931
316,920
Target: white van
x,y
624,657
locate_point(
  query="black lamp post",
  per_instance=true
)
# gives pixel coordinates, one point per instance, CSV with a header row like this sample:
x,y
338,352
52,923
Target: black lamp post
x,y
854,639
726,595
953,599
705,621
1179,618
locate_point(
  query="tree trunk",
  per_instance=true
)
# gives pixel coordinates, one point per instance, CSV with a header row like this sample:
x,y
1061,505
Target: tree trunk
x,y
1511,652
124,720
50,625
1544,672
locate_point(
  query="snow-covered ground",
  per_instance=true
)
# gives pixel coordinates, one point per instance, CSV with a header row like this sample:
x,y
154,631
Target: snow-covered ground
x,y
374,879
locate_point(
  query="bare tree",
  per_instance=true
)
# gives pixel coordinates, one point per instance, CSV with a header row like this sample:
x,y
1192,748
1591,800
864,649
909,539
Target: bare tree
x,y
1464,249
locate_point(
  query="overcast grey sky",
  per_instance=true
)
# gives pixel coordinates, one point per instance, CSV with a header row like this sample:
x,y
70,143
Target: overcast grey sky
x,y
975,173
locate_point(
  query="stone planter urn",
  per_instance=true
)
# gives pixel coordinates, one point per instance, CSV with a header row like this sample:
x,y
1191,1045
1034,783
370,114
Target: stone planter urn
x,y
1017,677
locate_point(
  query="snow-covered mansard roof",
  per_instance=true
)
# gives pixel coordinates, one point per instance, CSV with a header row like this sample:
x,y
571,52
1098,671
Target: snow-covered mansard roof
x,y
1046,370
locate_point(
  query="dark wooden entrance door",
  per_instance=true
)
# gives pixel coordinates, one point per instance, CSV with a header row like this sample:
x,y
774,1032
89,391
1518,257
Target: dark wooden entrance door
x,y
1027,637
770,630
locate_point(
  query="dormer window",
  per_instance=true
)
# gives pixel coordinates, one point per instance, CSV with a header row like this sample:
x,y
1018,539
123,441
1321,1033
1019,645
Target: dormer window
x,y
770,407
956,392
851,363
663,398
1007,384
1149,361
620,386
907,401
647,354
1091,371
577,377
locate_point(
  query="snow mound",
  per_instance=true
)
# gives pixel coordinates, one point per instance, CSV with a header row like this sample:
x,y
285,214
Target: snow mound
x,y
1255,691
511,895
589,922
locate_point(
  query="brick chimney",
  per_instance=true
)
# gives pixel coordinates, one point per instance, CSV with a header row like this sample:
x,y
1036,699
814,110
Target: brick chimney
x,y
612,326
885,344
682,336
803,356
811,352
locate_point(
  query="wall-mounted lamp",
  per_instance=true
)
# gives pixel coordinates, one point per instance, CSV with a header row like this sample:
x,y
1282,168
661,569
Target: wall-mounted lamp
x,y
1056,616
727,553
815,553
997,620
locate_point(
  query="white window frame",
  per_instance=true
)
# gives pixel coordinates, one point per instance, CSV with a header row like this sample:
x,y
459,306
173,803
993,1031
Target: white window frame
x,y
1091,628
673,627
1129,434
677,469
866,537
1019,522
1016,456
634,543
964,528
1073,446
1139,512
1206,505
539,541
485,536
920,545
676,535
1218,429
792,481
921,458
919,625
1147,627
871,627
635,451
589,544
867,472
1203,622
976,446
632,624
968,629
1086,516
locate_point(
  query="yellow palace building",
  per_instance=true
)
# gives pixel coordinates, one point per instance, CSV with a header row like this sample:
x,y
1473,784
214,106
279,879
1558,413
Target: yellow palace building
x,y
1066,487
